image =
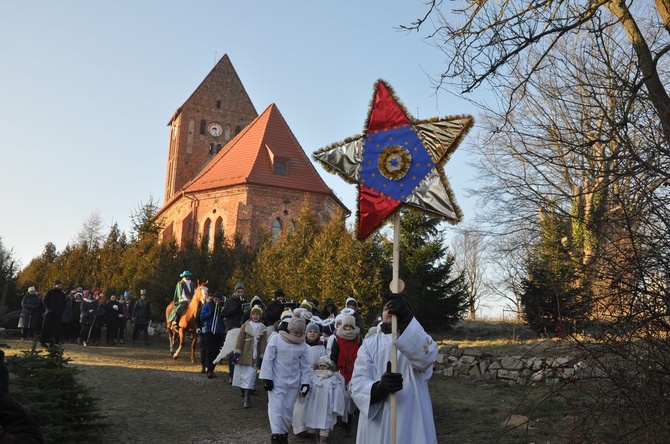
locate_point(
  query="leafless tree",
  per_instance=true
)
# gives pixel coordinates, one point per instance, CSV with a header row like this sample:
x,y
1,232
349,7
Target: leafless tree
x,y
583,132
484,41
91,233
468,248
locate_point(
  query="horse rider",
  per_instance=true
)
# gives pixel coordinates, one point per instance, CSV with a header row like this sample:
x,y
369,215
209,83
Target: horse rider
x,y
183,293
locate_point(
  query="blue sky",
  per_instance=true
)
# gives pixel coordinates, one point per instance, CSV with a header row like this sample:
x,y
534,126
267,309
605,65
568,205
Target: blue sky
x,y
87,89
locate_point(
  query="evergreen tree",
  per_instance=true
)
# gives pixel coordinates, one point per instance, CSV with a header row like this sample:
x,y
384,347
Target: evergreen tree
x,y
48,389
438,299
552,298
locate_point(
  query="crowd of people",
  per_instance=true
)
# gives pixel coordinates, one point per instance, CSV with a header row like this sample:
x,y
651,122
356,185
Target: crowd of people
x,y
79,315
320,367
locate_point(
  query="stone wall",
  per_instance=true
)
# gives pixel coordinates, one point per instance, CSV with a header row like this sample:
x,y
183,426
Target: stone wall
x,y
473,363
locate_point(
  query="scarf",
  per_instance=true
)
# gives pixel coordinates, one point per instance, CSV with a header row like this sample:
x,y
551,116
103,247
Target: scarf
x,y
323,374
349,335
254,328
288,337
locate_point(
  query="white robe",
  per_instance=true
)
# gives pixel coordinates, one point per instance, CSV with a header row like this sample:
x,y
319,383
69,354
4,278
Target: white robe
x,y
315,352
288,366
414,413
325,402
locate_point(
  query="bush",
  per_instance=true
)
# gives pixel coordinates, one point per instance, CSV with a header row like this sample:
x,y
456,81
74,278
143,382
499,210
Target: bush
x,y
48,390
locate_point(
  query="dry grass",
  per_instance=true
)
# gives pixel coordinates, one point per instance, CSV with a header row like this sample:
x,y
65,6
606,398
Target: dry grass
x,y
500,338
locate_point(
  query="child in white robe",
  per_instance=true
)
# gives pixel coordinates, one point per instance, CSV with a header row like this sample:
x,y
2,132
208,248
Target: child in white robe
x,y
326,399
286,371
316,349
248,353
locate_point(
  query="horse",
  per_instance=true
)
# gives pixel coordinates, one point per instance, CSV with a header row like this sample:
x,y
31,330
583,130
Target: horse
x,y
186,321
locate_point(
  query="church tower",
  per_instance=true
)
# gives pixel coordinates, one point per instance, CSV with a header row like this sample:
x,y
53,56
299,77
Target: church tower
x,y
216,111
234,172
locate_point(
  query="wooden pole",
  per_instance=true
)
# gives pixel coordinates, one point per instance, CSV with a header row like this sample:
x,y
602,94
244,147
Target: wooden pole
x,y
395,287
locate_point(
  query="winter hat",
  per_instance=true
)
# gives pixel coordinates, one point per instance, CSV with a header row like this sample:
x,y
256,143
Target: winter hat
x,y
296,325
313,326
126,294
256,308
306,304
143,291
218,294
79,289
279,294
350,300
186,273
256,301
324,360
31,289
239,286
286,315
348,320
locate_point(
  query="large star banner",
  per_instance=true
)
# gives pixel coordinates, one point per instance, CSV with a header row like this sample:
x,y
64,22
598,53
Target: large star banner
x,y
397,161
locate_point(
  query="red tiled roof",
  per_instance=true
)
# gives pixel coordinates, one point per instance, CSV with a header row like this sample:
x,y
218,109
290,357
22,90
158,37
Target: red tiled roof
x,y
247,159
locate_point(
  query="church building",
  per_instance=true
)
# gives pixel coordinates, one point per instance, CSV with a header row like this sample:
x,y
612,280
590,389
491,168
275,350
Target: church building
x,y
231,170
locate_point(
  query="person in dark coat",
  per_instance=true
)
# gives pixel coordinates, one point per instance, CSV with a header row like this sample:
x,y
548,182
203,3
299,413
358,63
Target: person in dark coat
x,y
54,304
233,312
124,302
274,309
113,312
86,317
329,310
99,320
31,310
75,315
213,331
142,317
66,318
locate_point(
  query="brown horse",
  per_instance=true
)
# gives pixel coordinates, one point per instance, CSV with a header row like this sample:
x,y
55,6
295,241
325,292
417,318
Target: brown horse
x,y
186,322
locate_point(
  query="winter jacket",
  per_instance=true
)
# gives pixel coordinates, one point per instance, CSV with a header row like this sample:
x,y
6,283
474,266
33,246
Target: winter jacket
x,y
245,342
88,307
142,312
232,311
211,315
54,301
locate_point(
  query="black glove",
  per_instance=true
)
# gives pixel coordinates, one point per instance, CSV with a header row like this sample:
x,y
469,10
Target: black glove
x,y
398,305
304,389
390,383
268,385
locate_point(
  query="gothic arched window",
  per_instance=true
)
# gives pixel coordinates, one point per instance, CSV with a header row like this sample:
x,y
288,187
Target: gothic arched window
x,y
276,228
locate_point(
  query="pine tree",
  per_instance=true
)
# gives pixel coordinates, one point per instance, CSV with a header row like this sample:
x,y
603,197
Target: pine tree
x,y
48,390
438,299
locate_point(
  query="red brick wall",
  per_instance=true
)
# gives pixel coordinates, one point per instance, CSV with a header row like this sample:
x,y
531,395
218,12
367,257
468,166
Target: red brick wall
x,y
245,210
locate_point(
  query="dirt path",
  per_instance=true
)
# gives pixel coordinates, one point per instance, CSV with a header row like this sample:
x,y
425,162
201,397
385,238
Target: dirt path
x,y
150,398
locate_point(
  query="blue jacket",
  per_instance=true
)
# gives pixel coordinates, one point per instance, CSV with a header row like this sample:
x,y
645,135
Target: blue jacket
x,y
212,315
